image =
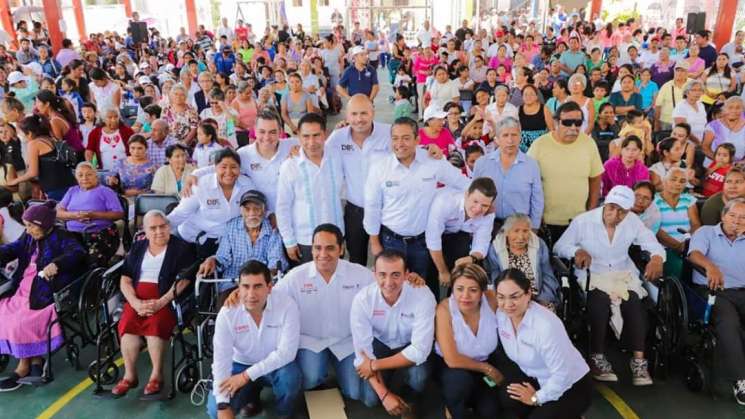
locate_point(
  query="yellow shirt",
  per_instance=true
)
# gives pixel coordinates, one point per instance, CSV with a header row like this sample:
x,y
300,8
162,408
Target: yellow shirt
x,y
565,172
665,100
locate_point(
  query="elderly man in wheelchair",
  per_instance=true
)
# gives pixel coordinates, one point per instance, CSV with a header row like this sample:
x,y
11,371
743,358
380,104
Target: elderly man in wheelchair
x,y
719,250
599,241
48,260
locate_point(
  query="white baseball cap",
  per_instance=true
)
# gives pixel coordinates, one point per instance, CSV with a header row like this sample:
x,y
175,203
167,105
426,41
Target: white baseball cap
x,y
143,80
16,77
356,50
433,111
622,196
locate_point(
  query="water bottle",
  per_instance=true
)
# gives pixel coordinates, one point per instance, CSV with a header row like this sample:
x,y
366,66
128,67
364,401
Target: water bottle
x,y
709,304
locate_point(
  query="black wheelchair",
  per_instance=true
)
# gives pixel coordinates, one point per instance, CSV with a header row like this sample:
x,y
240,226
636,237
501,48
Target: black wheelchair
x,y
666,310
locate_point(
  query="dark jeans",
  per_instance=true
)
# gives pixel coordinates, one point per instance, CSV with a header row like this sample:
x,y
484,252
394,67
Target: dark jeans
x,y
461,388
634,321
415,250
454,246
356,237
572,404
727,316
412,378
285,383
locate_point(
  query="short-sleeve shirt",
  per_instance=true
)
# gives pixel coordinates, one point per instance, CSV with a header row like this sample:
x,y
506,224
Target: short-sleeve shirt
x,y
675,218
359,81
100,198
565,172
726,254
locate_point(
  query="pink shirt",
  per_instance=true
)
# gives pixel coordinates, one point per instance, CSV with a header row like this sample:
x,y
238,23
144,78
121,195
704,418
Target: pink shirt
x,y
444,140
617,174
495,62
421,67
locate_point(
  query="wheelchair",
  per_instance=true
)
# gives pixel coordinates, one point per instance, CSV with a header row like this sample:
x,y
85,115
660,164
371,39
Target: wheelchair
x,y
666,307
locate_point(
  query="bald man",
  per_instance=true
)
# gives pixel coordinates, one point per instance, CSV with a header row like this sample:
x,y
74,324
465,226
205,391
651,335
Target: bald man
x,y
360,141
158,142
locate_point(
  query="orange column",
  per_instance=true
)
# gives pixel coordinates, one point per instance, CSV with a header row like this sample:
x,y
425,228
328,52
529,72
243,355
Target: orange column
x,y
53,14
725,22
77,6
127,7
595,9
191,16
7,19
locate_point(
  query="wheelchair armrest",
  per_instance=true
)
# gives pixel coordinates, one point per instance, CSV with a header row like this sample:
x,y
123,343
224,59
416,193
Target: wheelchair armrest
x,y
696,267
563,270
66,297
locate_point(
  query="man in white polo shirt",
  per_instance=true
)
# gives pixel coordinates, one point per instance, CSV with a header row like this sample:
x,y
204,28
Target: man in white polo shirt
x,y
392,331
256,339
323,290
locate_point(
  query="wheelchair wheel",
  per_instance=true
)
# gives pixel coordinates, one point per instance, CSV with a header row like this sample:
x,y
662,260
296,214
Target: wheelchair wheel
x,y
208,335
695,377
109,372
672,309
4,360
187,377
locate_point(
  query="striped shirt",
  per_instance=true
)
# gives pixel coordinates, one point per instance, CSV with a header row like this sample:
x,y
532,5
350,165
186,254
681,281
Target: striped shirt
x,y
675,218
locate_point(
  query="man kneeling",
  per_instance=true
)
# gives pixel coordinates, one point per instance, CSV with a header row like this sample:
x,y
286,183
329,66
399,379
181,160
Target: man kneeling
x,y
257,333
392,331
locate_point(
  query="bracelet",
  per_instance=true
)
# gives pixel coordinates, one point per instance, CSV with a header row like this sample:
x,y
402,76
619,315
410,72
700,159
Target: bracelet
x,y
382,399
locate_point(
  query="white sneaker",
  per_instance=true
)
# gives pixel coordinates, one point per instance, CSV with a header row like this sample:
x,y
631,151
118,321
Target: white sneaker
x,y
639,372
739,390
601,369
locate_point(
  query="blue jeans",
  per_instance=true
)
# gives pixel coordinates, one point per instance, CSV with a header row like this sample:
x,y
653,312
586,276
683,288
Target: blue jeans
x,y
417,255
415,376
285,383
314,366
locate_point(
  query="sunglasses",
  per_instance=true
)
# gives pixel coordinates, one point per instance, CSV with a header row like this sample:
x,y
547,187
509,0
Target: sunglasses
x,y
571,122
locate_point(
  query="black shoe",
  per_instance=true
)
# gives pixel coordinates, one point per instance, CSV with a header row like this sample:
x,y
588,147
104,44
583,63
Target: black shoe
x,y
251,409
11,383
739,391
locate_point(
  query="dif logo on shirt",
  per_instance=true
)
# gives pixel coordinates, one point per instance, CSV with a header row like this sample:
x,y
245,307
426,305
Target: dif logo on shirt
x,y
212,203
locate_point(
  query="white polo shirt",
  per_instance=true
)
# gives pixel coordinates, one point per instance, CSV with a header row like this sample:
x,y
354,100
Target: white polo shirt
x,y
207,209
265,172
399,197
307,196
409,322
356,161
266,347
542,349
325,306
448,215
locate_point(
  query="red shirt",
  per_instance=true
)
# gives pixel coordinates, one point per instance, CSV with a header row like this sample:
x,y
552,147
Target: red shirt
x,y
715,181
241,33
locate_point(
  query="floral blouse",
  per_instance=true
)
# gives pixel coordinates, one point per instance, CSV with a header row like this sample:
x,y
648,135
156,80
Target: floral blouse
x,y
135,176
180,124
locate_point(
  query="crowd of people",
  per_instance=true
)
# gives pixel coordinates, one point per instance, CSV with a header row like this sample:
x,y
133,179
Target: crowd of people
x,y
507,146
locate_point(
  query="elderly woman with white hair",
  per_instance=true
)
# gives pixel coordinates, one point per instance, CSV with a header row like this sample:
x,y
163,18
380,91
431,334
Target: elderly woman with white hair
x,y
90,209
730,128
577,85
691,110
501,108
516,246
599,242
109,143
155,271
182,118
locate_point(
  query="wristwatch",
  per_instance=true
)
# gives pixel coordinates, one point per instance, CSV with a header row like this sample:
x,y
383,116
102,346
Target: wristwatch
x,y
534,400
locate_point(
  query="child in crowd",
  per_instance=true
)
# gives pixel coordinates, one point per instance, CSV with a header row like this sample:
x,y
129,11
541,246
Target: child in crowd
x,y
402,104
206,146
473,152
600,95
152,112
10,148
635,124
718,169
88,113
69,92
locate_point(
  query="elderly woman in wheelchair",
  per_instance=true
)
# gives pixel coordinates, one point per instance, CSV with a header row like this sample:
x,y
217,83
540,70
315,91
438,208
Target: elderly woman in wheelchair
x,y
719,250
149,283
599,242
517,246
48,260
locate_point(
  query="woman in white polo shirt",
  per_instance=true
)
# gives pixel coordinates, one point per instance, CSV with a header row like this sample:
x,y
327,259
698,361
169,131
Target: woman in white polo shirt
x,y
545,376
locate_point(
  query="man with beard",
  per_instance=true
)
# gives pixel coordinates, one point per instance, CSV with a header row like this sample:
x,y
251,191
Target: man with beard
x,y
248,237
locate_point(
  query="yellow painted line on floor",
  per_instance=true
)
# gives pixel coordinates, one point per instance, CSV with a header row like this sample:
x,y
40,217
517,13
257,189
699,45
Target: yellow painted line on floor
x,y
616,401
71,394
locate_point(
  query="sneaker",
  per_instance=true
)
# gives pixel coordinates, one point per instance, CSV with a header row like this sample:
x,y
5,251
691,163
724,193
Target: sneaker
x,y
639,372
601,368
739,390
11,383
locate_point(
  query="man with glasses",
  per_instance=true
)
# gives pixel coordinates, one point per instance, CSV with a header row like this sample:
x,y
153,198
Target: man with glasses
x,y
570,169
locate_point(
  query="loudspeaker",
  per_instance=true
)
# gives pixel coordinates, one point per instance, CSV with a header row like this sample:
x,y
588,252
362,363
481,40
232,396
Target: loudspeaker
x,y
139,32
696,22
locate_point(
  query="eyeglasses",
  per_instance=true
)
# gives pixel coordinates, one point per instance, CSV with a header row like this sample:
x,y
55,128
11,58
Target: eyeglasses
x,y
570,122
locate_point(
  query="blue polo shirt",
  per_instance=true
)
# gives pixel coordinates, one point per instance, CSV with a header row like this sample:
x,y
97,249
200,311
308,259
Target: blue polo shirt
x,y
725,254
356,81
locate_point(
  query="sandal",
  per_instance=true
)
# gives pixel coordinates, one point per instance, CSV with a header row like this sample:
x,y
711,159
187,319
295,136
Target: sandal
x,y
152,387
122,387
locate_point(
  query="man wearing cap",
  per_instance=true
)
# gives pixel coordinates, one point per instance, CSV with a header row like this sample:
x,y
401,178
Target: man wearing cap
x,y
359,77
650,55
247,237
225,61
23,87
670,94
599,240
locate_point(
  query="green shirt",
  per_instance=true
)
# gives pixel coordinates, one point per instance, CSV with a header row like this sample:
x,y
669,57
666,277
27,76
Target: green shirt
x,y
403,108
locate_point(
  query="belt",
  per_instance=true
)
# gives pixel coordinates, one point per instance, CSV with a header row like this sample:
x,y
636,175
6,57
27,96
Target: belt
x,y
396,236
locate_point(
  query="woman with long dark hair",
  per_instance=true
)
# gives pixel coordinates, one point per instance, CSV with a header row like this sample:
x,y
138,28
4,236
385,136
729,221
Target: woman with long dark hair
x,y
61,118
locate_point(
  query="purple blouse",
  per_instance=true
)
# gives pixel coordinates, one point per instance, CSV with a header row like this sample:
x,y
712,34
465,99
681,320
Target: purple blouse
x,y
617,174
100,198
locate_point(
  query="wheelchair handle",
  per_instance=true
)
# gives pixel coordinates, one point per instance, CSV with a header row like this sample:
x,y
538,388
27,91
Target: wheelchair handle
x,y
201,280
